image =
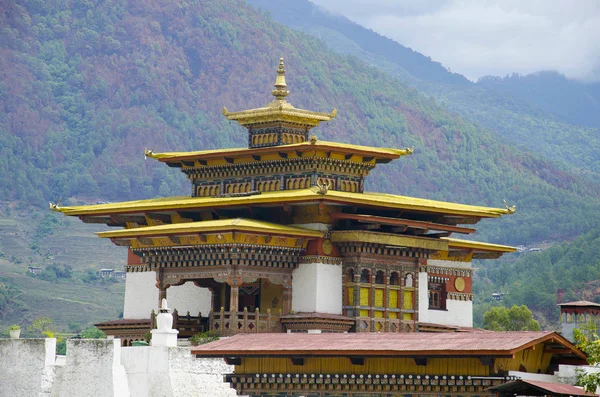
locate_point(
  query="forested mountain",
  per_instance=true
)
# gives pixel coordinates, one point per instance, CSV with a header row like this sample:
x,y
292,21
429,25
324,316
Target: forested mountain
x,y
571,101
85,86
88,84
531,111
534,278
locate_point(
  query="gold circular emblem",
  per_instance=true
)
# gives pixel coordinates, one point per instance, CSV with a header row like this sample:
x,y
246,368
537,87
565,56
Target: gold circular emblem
x,y
459,284
327,247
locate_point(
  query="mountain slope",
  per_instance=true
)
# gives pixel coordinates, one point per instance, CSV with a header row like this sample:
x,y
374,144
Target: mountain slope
x,y
571,101
89,86
521,109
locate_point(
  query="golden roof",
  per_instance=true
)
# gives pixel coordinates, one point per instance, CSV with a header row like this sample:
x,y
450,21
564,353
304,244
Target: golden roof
x,y
313,145
279,109
214,226
478,246
389,239
289,197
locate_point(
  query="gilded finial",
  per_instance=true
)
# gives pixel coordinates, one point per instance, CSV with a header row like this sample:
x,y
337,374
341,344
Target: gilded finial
x,y
224,111
280,91
148,152
322,188
409,150
333,113
511,210
55,206
313,139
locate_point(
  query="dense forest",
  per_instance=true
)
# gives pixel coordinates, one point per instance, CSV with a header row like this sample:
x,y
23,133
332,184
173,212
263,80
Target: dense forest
x,y
86,85
535,278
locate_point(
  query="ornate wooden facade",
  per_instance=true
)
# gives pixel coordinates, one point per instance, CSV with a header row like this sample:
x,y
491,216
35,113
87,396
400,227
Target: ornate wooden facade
x,y
265,225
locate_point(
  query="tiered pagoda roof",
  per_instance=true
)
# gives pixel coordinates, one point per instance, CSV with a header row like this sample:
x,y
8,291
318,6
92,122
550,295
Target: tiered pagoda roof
x,y
267,187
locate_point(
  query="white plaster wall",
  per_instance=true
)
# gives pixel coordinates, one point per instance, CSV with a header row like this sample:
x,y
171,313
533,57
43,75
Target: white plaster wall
x,y
93,369
452,264
459,313
158,371
423,298
532,376
147,370
141,295
317,287
22,365
102,368
198,377
322,227
189,298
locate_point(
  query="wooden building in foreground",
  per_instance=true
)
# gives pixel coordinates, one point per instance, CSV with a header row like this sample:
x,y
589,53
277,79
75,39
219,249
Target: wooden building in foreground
x,y
281,237
384,364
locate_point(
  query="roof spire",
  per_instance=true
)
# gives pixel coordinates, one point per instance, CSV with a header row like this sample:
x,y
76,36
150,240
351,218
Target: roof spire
x,y
280,91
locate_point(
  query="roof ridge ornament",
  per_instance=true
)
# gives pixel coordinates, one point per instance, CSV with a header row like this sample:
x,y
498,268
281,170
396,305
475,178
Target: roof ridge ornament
x,y
56,206
280,91
511,210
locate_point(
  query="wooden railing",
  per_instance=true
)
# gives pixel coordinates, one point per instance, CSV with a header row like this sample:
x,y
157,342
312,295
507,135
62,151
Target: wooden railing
x,y
379,324
224,323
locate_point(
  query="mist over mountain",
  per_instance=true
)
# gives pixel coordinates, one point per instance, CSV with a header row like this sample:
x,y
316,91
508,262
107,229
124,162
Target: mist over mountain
x,y
544,112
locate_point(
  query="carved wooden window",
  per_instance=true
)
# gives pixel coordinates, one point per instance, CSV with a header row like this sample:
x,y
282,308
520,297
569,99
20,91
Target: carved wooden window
x,y
379,277
365,276
437,296
394,279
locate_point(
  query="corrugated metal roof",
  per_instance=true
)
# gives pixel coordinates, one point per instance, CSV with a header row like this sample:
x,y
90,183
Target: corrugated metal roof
x,y
449,344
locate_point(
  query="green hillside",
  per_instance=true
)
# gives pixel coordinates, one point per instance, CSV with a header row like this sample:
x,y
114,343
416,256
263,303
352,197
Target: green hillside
x,y
39,238
87,87
533,278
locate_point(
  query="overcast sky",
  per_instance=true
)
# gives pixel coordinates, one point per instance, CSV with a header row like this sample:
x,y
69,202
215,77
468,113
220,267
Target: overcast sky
x,y
489,37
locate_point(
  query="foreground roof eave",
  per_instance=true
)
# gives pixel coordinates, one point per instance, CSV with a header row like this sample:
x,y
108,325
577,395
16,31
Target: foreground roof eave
x,y
183,203
476,245
319,145
246,225
487,343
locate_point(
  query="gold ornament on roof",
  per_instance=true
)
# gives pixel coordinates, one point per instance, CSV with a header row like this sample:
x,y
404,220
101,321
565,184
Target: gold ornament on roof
x,y
313,139
55,206
280,91
511,210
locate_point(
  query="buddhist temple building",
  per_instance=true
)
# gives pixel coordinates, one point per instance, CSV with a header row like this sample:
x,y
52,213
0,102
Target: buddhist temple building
x,y
324,288
281,237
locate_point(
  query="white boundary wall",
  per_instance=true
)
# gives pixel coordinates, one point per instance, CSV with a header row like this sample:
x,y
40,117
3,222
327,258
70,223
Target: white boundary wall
x,y
317,287
141,295
102,368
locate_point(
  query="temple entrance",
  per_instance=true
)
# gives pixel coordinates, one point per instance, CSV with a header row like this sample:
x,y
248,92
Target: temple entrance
x,y
251,307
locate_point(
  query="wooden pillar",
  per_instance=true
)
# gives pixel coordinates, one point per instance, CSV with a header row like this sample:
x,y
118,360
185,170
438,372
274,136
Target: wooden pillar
x,y
162,288
287,299
234,298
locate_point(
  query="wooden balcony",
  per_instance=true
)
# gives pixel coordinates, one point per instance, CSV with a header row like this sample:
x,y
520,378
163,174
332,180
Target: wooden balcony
x,y
224,323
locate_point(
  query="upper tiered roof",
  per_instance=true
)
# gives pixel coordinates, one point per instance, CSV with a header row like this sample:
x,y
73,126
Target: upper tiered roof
x,y
279,110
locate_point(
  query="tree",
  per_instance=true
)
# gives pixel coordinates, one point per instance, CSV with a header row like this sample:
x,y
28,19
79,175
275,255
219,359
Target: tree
x,y
588,341
517,318
92,333
42,326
